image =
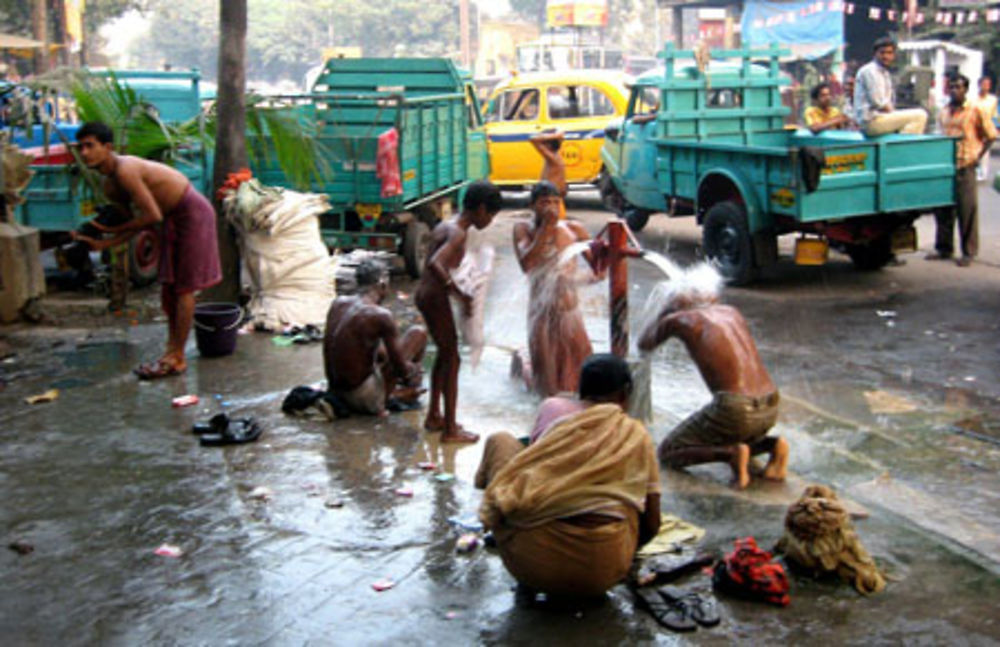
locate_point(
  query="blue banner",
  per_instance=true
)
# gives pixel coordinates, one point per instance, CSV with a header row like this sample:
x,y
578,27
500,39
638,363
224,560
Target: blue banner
x,y
808,28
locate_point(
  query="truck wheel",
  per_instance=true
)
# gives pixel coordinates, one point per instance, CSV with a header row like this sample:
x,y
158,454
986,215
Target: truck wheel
x,y
416,241
611,198
726,239
144,257
871,256
635,217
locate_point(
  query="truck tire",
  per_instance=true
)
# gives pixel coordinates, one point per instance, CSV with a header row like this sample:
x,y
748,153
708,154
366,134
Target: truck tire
x,y
635,217
871,256
144,257
416,242
611,198
727,243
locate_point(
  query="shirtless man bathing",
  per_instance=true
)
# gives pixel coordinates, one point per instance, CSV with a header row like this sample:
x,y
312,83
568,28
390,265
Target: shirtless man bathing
x,y
368,363
189,259
744,406
557,338
433,298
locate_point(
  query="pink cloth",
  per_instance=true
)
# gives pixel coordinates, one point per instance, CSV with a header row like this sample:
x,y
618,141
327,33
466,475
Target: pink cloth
x,y
387,163
551,411
189,248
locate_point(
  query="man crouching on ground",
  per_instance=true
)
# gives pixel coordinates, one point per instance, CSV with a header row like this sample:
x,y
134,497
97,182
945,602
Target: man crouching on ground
x,y
365,357
744,406
570,510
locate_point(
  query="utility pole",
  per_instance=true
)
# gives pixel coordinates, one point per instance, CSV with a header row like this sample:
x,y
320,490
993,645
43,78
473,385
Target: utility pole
x,y
463,28
39,21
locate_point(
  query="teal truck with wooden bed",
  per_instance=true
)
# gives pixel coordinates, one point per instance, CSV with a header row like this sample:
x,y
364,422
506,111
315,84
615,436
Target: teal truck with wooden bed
x,y
397,142
709,139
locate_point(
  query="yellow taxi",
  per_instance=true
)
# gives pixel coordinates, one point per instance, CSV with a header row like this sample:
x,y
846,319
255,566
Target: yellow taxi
x,y
579,103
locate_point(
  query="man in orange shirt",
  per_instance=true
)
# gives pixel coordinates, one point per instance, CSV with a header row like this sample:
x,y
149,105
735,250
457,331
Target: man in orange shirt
x,y
962,119
824,115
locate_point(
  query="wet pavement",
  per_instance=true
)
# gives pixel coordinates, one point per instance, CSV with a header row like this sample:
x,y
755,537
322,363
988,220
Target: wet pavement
x,y
100,478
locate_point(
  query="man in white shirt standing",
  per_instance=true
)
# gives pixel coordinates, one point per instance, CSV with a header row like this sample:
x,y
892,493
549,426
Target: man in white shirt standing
x,y
987,104
875,98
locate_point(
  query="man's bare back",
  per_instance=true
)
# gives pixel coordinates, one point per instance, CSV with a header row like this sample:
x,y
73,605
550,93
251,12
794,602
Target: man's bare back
x,y
718,340
355,331
166,185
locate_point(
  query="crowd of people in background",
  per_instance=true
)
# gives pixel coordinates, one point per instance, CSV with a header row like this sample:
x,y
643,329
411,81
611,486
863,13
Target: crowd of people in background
x,y
870,107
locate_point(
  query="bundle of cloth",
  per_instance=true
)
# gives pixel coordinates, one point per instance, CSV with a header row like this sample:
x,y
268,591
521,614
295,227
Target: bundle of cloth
x,y
820,538
473,276
286,265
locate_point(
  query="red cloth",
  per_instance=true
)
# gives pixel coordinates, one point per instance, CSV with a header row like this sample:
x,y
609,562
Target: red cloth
x,y
750,572
387,163
189,249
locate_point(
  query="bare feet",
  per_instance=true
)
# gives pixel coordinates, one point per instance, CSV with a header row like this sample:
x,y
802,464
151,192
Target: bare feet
x,y
460,436
434,422
777,467
740,464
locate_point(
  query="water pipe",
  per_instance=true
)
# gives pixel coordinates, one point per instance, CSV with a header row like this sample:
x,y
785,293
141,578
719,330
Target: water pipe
x,y
610,251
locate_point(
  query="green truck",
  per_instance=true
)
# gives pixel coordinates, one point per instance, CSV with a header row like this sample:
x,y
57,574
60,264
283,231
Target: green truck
x,y
710,141
441,149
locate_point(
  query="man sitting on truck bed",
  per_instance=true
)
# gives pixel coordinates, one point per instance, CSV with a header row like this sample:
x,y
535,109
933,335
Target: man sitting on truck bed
x,y
875,98
189,260
744,406
363,353
824,115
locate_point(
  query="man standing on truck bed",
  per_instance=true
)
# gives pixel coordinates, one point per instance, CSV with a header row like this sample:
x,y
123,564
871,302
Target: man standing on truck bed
x,y
481,202
189,258
963,119
744,406
875,98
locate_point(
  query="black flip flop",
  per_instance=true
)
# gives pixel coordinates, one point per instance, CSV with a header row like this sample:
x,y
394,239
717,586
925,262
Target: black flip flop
x,y
672,616
237,432
215,425
701,608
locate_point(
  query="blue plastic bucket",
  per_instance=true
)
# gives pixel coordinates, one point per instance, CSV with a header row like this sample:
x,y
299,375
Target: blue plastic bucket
x,y
215,327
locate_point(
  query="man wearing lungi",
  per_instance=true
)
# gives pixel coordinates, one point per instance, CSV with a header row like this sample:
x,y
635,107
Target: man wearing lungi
x,y
189,257
744,406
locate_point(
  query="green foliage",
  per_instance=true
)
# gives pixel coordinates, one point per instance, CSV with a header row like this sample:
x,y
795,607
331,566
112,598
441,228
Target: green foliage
x,y
137,127
286,37
139,131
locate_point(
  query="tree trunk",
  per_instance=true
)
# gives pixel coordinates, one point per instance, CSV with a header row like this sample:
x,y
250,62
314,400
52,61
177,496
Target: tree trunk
x,y
230,140
39,30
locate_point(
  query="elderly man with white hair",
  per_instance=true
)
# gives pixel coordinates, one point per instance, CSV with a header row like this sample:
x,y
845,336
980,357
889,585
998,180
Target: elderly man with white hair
x,y
744,407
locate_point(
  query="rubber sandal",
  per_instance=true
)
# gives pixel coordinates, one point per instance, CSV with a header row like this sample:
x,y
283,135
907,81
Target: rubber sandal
x,y
237,432
217,424
156,370
701,609
673,617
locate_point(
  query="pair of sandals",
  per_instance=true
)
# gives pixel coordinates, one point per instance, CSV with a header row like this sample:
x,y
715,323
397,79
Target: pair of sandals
x,y
677,609
223,430
156,370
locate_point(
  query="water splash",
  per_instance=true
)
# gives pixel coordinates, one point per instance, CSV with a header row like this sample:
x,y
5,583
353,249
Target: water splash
x,y
699,282
671,269
573,250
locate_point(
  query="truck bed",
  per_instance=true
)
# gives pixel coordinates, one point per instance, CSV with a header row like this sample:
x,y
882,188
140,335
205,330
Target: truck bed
x,y
861,176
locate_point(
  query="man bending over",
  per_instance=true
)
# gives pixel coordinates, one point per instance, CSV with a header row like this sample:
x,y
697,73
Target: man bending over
x,y
744,406
367,362
189,258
